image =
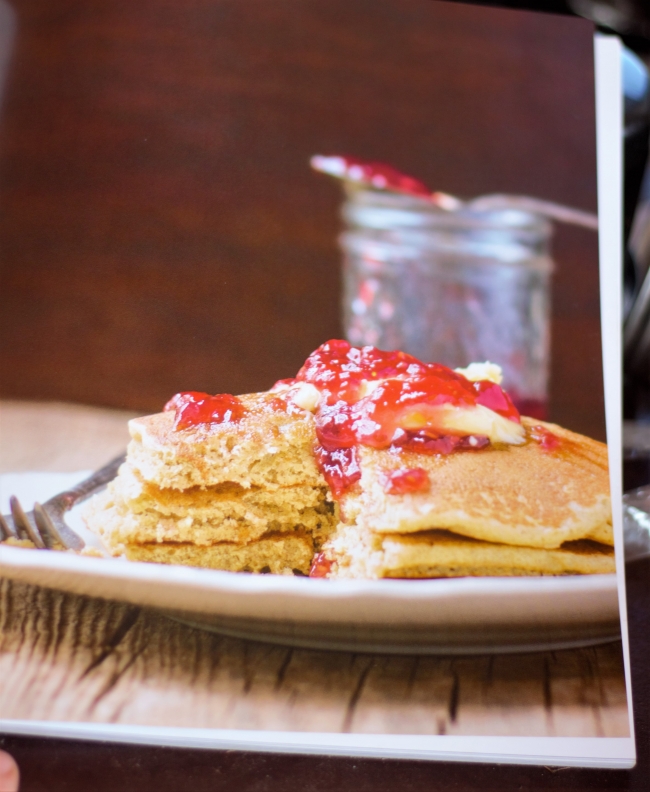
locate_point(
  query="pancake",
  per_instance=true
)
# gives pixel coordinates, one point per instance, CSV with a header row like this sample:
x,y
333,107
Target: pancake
x,y
225,512
120,521
282,554
244,496
439,553
269,447
525,495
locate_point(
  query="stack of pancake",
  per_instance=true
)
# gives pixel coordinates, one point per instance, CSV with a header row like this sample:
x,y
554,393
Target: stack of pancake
x,y
245,496
503,510
248,496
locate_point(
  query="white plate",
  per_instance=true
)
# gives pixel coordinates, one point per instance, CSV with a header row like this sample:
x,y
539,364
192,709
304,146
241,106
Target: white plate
x,y
456,615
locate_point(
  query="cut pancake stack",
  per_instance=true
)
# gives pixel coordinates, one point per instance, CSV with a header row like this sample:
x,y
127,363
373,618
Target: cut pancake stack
x,y
503,510
247,496
241,497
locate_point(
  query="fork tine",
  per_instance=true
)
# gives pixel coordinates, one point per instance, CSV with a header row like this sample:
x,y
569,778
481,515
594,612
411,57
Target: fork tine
x,y
49,519
6,531
48,529
23,524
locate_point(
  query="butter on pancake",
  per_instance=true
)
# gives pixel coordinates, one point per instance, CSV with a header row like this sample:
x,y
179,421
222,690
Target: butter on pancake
x,y
511,494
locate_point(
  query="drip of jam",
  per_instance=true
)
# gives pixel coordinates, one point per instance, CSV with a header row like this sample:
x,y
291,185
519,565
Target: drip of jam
x,y
320,566
339,467
183,398
193,408
424,442
373,174
400,482
547,440
493,397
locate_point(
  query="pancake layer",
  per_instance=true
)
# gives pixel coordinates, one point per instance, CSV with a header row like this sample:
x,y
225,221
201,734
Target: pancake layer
x,y
525,495
269,447
281,554
248,496
440,553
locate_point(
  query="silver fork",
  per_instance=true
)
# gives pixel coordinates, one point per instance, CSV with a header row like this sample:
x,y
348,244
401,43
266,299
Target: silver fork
x,y
45,526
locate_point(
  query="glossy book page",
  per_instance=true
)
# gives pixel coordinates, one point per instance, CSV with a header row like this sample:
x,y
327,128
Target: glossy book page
x,y
351,319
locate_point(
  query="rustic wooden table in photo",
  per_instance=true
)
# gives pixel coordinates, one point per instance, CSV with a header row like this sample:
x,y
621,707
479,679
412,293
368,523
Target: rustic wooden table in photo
x,y
71,658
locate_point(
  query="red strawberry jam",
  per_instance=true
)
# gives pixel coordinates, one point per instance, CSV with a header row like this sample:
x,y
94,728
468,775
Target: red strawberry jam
x,y
547,440
339,467
400,408
426,442
320,566
339,370
194,408
399,482
374,174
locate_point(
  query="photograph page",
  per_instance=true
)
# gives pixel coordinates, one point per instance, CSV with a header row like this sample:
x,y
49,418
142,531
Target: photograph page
x,y
312,441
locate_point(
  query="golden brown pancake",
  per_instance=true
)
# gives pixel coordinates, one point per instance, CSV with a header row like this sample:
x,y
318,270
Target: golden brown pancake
x,y
242,496
119,522
268,447
521,495
431,554
280,554
135,510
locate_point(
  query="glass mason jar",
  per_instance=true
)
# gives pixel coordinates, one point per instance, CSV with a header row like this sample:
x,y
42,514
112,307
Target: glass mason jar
x,y
450,287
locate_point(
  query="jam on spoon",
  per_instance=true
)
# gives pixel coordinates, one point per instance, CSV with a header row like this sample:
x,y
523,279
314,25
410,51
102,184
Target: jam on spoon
x,y
380,176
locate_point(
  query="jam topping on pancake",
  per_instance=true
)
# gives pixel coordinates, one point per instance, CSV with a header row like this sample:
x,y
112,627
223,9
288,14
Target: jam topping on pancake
x,y
321,566
547,440
399,482
193,408
384,400
339,466
391,400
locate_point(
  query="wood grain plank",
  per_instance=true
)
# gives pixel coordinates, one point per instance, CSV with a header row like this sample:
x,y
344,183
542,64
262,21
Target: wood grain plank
x,y
501,696
78,659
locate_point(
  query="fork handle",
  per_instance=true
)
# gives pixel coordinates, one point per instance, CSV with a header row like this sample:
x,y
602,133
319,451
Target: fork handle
x,y
57,506
64,501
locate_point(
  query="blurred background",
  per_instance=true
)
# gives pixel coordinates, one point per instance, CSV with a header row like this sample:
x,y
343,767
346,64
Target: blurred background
x,y
161,229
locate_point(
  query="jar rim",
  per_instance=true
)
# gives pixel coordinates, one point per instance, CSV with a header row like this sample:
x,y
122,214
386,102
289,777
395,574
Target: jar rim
x,y
478,254
379,208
